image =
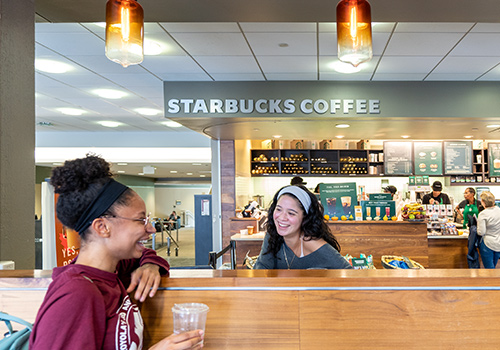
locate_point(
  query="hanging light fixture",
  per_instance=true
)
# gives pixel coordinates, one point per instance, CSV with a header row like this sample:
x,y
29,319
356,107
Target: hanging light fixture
x,y
354,31
124,32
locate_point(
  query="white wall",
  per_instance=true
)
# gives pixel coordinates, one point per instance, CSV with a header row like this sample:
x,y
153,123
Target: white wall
x,y
166,196
147,193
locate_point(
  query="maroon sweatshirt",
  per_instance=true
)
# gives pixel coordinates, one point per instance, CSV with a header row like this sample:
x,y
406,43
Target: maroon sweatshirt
x,y
87,308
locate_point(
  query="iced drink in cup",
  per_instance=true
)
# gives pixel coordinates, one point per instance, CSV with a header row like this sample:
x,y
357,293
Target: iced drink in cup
x,y
346,204
331,204
189,317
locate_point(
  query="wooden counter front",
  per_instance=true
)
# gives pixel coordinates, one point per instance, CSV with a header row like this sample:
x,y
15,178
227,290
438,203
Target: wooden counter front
x,y
382,238
315,309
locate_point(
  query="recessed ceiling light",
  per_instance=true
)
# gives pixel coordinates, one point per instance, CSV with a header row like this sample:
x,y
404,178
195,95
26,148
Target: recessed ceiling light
x,y
345,68
152,48
57,164
196,163
202,175
121,163
173,171
189,173
71,111
276,136
340,136
147,111
256,129
50,66
172,124
109,123
110,93
493,126
405,136
121,171
468,136
342,126
140,174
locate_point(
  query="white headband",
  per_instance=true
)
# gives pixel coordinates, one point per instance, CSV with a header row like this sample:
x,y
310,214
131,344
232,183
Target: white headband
x,y
298,192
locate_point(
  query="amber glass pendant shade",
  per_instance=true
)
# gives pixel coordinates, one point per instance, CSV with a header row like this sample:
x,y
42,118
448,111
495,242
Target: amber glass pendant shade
x,y
124,32
354,31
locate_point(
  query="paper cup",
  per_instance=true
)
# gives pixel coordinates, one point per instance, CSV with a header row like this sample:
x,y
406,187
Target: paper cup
x,y
244,232
250,230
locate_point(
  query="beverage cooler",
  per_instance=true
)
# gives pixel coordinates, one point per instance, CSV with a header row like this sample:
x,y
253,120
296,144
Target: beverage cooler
x,y
202,228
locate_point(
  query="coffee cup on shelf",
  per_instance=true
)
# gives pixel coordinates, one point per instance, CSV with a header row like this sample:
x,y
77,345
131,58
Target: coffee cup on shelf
x,y
250,230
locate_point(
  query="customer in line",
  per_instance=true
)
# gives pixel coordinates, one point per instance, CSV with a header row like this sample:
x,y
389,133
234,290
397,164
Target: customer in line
x,y
297,234
87,305
469,207
436,196
488,226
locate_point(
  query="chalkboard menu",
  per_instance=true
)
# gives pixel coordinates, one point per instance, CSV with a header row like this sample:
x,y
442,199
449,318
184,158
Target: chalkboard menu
x,y
458,157
428,158
397,158
494,159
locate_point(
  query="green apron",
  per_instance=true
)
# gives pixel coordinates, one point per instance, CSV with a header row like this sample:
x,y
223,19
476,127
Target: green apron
x,y
470,209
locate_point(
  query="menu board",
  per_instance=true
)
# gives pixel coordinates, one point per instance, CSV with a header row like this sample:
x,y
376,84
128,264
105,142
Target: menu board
x,y
339,199
397,158
428,158
494,159
376,210
458,157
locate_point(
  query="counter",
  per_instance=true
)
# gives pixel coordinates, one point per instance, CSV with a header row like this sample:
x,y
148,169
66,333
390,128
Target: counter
x,y
313,309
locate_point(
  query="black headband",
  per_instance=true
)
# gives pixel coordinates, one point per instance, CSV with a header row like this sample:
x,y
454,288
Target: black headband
x,y
107,195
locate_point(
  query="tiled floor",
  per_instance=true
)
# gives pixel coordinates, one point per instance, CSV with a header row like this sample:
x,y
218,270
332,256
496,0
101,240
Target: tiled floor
x,y
186,250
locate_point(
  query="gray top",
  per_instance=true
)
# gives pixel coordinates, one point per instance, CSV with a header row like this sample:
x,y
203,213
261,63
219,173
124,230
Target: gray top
x,y
488,226
326,257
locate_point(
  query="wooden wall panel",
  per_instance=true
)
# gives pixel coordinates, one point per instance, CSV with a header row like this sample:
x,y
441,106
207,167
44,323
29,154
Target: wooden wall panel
x,y
228,189
383,238
399,320
235,321
448,253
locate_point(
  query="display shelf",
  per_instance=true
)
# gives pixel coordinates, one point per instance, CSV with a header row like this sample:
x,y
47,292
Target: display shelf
x,y
480,174
303,162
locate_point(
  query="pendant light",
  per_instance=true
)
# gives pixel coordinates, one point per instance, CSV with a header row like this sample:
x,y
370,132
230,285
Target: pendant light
x,y
354,31
124,32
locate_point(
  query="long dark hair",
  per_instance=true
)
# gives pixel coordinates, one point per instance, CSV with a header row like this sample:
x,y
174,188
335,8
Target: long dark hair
x,y
313,225
78,183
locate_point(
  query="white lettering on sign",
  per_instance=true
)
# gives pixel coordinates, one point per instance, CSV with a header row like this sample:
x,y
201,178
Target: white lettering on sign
x,y
272,106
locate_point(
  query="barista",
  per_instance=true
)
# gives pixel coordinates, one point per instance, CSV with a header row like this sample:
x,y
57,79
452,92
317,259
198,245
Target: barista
x,y
436,196
469,207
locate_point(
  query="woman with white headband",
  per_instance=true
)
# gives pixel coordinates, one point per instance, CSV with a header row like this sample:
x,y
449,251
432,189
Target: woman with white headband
x,y
297,234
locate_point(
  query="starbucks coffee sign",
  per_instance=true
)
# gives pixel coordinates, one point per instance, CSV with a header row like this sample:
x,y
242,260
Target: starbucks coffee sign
x,y
272,106
331,99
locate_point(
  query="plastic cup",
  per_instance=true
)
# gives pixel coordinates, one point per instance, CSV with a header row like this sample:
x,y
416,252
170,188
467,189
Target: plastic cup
x,y
189,317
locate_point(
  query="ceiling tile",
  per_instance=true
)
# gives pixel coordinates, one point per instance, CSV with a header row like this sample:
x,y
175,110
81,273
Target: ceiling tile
x,y
259,27
406,64
478,44
228,64
269,43
171,64
72,43
201,27
486,28
215,44
452,77
422,44
59,28
288,64
433,27
238,77
398,77
462,64
101,64
185,77
134,79
291,76
328,44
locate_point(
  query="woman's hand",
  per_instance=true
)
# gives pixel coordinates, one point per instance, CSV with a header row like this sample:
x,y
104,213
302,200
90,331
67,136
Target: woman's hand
x,y
188,340
147,279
